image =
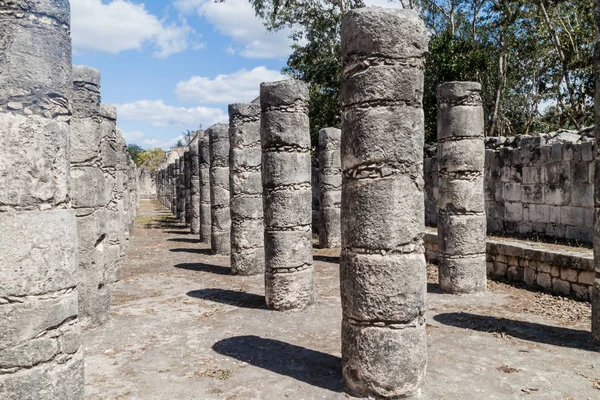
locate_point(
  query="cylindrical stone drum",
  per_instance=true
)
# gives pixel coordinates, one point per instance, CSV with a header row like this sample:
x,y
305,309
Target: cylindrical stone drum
x,y
195,185
382,264
205,213
245,183
461,204
41,356
219,189
330,187
88,197
287,195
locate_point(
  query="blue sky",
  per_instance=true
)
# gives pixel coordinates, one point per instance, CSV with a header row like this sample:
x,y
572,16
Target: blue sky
x,y
172,65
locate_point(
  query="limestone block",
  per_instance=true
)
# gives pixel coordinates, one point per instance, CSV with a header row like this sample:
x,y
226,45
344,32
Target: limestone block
x,y
219,185
382,202
287,195
245,183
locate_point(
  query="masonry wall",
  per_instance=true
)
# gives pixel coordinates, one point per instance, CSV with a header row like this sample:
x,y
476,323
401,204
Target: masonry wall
x,y
534,185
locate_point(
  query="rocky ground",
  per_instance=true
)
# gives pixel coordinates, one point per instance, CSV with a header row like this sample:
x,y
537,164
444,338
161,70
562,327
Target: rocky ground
x,y
183,328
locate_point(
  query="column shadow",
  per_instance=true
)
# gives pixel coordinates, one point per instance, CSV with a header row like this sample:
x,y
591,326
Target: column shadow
x,y
530,331
206,252
310,366
327,259
184,240
230,297
201,267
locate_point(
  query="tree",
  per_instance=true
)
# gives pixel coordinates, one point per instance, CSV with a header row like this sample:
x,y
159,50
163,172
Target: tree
x,y
533,58
151,159
135,151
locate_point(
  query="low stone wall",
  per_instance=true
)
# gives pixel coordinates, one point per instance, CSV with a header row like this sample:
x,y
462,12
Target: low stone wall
x,y
534,185
566,273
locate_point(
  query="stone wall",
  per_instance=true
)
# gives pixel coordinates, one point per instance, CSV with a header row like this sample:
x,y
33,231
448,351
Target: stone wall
x,y
534,185
562,272
147,182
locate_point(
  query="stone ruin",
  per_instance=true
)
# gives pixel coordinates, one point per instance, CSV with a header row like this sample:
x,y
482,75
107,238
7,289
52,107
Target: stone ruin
x,y
245,183
67,204
71,192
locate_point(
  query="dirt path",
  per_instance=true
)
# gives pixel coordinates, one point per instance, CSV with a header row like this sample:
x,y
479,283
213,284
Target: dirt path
x,y
183,328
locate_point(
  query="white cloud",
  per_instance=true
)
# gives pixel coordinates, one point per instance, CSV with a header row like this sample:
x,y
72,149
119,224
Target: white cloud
x,y
132,136
241,86
237,19
122,25
165,145
159,114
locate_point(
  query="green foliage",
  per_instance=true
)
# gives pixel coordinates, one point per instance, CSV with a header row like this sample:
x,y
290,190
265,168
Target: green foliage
x,y
135,151
533,58
151,159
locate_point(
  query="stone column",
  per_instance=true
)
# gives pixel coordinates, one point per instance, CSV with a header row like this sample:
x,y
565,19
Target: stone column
x,y
330,185
40,350
287,195
205,217
110,156
461,206
88,196
195,186
219,188
596,287
382,265
245,182
175,188
187,168
181,189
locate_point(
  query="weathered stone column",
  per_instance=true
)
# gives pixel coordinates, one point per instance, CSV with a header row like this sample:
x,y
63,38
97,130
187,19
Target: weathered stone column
x,y
245,182
40,351
110,156
181,189
88,197
330,185
187,168
219,188
287,195
205,212
382,265
195,185
175,188
596,287
461,206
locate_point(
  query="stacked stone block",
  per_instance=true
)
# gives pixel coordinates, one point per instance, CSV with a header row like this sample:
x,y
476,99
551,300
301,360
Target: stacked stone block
x,y
187,169
461,207
219,189
245,182
110,159
195,185
88,197
181,186
330,184
287,195
534,186
40,351
382,265
205,202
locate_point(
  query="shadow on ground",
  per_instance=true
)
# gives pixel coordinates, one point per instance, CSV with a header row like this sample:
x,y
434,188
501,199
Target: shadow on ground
x,y
531,331
180,232
206,252
230,297
310,366
201,267
327,259
184,240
